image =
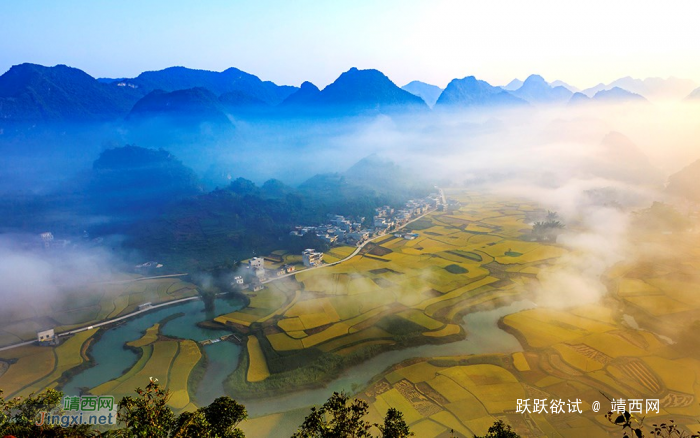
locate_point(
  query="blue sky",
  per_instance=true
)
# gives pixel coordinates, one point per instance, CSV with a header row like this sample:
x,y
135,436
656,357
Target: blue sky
x,y
291,41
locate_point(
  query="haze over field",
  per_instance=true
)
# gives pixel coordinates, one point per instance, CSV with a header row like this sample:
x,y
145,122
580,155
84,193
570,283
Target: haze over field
x,y
506,195
555,155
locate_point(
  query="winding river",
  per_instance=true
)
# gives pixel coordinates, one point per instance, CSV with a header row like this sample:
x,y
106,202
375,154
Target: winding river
x,y
112,359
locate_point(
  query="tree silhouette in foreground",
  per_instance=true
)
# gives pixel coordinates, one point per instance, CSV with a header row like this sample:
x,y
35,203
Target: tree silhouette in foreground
x,y
633,427
341,417
147,415
500,430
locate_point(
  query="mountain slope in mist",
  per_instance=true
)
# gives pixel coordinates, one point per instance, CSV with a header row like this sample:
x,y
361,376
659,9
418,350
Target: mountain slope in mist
x,y
34,93
694,95
579,98
191,106
304,96
227,81
650,88
370,175
239,102
617,94
569,87
429,93
537,91
135,181
622,160
686,182
469,91
243,219
513,85
613,95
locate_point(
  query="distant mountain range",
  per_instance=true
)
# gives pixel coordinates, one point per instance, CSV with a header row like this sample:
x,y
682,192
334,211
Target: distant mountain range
x,y
650,88
469,91
537,91
357,91
227,81
613,95
517,83
429,93
193,105
565,85
31,93
513,85
34,93
306,95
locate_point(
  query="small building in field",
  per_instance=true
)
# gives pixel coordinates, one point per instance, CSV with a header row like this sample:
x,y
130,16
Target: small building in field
x,y
312,257
256,263
46,337
145,306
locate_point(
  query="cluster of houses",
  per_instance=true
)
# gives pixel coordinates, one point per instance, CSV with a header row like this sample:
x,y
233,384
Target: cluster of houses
x,y
147,267
387,219
338,230
48,241
345,231
256,273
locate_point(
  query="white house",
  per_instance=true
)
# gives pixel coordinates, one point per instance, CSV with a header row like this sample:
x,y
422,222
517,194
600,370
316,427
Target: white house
x,y
312,257
46,337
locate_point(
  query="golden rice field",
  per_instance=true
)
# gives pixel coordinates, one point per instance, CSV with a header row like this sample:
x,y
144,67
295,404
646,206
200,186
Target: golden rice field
x,y
169,361
149,337
187,357
461,259
572,353
437,398
442,394
39,367
257,366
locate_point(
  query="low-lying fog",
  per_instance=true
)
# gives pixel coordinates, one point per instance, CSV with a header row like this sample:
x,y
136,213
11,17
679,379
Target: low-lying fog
x,y
560,157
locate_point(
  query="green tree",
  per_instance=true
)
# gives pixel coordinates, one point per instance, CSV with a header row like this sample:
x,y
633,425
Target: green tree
x,y
499,429
224,415
394,425
633,427
339,417
342,417
192,424
547,230
147,415
18,417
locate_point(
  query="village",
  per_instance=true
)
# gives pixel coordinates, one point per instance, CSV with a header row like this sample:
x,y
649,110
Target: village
x,y
344,231
339,231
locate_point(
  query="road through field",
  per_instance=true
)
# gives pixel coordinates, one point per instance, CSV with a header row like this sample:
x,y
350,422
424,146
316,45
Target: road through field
x,y
170,303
